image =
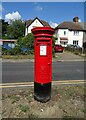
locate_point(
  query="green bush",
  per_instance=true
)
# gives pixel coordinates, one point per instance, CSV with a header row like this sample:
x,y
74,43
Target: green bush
x,y
76,51
53,44
15,51
27,41
5,52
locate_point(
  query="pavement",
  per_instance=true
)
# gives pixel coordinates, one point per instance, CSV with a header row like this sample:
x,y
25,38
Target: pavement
x,y
68,56
65,56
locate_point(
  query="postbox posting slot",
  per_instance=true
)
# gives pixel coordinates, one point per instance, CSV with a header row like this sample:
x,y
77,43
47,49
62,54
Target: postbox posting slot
x,y
43,41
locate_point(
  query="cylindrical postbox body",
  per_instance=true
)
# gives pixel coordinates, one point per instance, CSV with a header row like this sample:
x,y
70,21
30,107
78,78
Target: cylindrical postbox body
x,y
43,63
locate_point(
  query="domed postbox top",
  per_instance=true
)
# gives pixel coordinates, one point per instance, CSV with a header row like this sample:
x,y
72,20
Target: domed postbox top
x,y
43,31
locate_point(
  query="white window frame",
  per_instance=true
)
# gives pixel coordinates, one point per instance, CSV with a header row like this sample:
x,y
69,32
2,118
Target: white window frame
x,y
75,42
64,32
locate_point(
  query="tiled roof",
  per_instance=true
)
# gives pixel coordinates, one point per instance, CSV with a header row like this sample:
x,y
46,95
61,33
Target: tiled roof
x,y
83,25
70,26
29,22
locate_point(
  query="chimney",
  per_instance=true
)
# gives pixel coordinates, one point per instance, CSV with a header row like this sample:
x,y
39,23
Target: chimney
x,y
75,19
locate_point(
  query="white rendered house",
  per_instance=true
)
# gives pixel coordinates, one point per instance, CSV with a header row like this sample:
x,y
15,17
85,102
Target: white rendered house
x,y
30,24
69,33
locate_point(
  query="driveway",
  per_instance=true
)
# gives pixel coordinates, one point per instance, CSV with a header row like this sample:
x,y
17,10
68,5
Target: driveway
x,y
68,56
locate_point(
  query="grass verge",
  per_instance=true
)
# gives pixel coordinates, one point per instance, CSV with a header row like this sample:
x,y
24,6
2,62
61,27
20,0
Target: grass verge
x,y
30,56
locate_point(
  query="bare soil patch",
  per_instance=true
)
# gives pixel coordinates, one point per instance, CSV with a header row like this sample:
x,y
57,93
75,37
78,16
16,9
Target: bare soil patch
x,y
67,101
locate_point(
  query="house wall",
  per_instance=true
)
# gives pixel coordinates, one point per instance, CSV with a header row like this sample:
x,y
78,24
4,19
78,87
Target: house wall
x,y
70,35
84,34
36,23
60,33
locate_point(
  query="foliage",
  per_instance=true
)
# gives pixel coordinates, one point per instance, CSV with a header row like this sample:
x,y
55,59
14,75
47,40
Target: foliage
x,y
54,40
4,25
0,29
27,41
14,51
24,108
5,51
77,51
84,45
16,29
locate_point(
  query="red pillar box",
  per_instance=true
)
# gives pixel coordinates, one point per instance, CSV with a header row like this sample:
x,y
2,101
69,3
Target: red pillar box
x,y
43,63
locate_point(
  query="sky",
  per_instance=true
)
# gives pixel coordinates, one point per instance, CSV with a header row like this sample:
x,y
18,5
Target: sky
x,y
52,12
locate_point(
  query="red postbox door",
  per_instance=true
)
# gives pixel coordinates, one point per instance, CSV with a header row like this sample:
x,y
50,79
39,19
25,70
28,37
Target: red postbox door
x,y
43,63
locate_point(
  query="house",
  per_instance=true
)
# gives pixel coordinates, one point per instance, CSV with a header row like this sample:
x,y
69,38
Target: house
x,y
70,33
30,24
83,25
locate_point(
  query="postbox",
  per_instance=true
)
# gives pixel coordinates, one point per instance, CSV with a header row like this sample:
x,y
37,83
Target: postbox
x,y
43,63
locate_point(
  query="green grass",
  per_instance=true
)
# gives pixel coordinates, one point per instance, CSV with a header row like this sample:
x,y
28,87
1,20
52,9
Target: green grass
x,y
30,56
14,98
24,108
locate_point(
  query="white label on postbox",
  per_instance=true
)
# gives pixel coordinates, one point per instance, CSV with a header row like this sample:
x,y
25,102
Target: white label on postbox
x,y
43,50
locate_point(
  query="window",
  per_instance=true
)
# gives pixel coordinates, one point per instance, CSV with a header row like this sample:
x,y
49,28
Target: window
x,y
75,42
64,32
76,32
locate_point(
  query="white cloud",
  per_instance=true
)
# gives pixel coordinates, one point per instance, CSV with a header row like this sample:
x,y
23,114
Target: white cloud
x,y
12,16
53,25
39,8
79,20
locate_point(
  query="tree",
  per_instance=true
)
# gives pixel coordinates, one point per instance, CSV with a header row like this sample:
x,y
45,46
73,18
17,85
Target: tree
x,y
16,29
3,28
27,41
0,29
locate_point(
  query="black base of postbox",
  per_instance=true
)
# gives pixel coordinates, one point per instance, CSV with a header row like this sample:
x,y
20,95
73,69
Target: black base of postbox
x,y
42,92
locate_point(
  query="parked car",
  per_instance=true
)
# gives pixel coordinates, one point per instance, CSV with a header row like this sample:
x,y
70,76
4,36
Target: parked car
x,y
58,48
74,46
24,49
77,46
5,46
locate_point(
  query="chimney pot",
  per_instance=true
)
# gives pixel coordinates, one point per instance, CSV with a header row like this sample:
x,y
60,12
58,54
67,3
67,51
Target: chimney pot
x,y
75,19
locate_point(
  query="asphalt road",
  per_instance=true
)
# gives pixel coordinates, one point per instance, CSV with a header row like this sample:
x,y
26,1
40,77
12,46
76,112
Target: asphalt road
x,y
24,71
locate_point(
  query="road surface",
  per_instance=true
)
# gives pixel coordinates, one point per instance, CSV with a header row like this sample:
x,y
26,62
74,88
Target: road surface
x,y
24,71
